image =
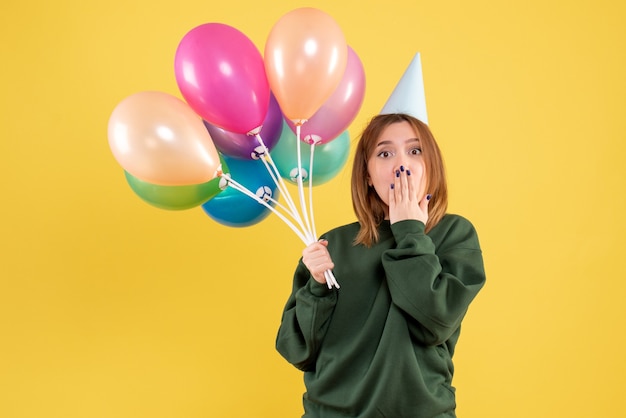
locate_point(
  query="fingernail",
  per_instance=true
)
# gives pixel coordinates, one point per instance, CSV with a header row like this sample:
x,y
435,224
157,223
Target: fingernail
x,y
408,172
392,185
428,196
397,173
402,168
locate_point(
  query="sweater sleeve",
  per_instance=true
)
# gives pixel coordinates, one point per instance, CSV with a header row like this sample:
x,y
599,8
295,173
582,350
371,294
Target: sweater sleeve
x,y
434,284
305,320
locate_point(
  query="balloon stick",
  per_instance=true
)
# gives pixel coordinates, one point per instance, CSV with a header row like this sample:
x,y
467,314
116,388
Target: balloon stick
x,y
300,184
239,187
280,183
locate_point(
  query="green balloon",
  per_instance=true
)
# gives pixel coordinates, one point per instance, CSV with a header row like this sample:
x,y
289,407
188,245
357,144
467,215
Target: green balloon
x,y
328,158
175,197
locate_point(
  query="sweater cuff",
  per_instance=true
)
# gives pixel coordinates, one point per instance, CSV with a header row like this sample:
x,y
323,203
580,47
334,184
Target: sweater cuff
x,y
401,229
318,289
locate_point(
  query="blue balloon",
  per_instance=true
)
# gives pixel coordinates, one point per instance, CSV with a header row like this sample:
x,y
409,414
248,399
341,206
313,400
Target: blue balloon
x,y
235,209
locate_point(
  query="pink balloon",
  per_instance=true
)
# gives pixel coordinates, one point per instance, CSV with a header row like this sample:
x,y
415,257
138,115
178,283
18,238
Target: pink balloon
x,y
245,146
159,139
338,112
221,74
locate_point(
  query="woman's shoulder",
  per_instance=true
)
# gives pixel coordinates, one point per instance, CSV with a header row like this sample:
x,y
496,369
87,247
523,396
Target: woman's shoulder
x,y
454,220
453,228
342,233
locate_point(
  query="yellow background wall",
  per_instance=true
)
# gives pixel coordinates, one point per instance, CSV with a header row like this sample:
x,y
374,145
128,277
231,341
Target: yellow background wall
x,y
110,307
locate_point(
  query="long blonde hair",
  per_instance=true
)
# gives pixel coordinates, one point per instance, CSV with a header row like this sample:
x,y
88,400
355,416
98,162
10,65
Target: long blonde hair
x,y
368,207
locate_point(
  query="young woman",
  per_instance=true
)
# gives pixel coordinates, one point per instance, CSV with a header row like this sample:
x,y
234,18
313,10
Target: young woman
x,y
382,344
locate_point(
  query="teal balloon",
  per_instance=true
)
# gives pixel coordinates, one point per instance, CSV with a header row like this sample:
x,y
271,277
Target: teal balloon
x,y
175,197
235,209
328,158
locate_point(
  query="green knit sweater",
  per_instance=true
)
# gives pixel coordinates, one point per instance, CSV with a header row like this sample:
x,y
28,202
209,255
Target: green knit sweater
x,y
382,344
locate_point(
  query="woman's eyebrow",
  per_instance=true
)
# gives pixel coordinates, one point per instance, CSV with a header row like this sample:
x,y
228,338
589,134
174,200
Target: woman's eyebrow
x,y
387,142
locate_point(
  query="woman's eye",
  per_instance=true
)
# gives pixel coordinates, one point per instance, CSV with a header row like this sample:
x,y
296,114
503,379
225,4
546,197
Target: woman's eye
x,y
384,154
415,151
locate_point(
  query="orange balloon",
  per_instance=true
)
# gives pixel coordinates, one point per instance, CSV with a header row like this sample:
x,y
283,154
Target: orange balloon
x,y
159,139
305,58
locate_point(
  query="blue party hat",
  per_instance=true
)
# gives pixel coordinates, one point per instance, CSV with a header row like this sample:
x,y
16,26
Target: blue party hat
x,y
408,96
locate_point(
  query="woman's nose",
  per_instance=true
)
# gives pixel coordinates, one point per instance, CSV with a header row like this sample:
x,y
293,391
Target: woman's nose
x,y
399,169
402,164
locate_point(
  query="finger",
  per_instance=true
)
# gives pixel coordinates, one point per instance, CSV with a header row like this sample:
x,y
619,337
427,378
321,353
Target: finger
x,y
411,183
315,246
424,203
316,257
320,256
397,187
321,268
317,266
404,182
392,195
313,259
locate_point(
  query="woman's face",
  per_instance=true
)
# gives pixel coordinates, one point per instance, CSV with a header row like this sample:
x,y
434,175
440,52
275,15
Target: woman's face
x,y
397,147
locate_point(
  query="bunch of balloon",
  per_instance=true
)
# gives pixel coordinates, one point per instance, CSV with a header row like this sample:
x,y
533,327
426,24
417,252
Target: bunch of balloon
x,y
239,102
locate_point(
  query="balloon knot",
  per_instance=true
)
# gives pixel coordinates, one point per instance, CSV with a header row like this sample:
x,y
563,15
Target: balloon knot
x,y
224,180
255,131
312,139
299,122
